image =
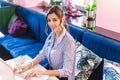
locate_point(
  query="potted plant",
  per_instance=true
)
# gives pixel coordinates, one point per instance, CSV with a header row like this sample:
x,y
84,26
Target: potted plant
x,y
91,10
52,2
56,2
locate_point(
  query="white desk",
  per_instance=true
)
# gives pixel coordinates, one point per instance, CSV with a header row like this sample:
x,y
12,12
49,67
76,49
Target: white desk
x,y
26,59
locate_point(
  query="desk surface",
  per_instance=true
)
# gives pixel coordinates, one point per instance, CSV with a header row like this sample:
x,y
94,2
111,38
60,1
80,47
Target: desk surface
x,y
23,60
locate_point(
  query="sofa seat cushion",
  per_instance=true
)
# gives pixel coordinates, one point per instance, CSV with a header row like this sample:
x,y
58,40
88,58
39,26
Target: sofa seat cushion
x,y
27,50
9,42
86,62
31,50
111,70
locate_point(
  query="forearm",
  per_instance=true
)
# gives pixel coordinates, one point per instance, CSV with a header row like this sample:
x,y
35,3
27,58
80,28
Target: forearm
x,y
34,61
50,72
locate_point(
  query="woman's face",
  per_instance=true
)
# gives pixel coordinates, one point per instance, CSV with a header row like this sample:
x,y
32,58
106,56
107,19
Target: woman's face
x,y
54,22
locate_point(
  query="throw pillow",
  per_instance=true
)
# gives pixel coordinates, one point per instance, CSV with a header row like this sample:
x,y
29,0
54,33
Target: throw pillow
x,y
88,61
18,28
78,49
111,70
12,20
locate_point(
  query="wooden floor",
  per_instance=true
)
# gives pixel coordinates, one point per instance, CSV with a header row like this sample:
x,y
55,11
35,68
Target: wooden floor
x,y
4,54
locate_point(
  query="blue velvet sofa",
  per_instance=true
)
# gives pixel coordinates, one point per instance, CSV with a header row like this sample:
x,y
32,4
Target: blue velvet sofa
x,y
102,46
31,43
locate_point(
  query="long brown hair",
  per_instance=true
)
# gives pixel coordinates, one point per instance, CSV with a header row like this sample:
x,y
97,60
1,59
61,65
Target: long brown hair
x,y
59,12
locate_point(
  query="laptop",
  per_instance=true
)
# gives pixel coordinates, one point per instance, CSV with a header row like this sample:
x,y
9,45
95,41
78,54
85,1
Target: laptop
x,y
6,72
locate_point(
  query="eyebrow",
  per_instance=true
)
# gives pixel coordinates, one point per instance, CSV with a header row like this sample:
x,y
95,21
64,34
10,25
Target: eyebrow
x,y
51,18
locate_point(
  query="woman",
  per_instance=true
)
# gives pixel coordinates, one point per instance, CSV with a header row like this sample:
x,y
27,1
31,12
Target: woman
x,y
59,49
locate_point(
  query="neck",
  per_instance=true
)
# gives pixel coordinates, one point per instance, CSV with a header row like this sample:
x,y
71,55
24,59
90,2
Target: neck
x,y
59,32
57,35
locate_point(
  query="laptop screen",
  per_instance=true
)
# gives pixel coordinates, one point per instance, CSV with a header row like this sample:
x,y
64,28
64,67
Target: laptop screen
x,y
6,72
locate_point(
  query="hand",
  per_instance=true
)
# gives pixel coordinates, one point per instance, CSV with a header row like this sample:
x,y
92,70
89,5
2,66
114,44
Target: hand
x,y
33,73
21,68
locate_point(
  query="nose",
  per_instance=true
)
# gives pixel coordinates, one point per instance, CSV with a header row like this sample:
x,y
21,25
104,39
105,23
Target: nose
x,y
52,23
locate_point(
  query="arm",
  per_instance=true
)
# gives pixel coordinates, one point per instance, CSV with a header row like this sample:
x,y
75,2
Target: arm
x,y
69,61
24,67
68,65
39,72
36,60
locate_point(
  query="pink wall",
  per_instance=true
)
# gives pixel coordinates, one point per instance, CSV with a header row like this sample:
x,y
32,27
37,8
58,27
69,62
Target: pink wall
x,y
27,3
108,18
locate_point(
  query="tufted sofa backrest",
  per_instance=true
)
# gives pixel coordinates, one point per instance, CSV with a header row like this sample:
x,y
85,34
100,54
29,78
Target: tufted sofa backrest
x,y
76,32
32,19
43,23
102,46
4,3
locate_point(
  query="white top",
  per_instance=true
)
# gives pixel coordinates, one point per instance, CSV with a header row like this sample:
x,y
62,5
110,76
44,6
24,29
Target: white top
x,y
62,55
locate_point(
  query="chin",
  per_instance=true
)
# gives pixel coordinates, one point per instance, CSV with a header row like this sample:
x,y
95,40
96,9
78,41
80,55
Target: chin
x,y
54,30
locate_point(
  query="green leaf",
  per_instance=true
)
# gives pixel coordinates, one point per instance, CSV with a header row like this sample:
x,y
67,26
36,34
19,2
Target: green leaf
x,y
93,6
93,29
87,7
53,3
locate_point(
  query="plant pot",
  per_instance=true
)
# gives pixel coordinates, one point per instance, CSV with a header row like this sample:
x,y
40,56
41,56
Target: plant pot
x,y
90,14
90,24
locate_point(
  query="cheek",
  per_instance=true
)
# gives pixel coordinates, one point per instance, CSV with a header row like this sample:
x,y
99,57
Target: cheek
x,y
57,23
51,25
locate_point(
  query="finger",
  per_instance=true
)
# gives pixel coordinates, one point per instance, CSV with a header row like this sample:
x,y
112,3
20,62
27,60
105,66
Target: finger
x,y
27,76
15,69
19,69
23,70
32,74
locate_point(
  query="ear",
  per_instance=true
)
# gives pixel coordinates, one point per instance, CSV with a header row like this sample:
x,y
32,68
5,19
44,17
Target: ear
x,y
63,19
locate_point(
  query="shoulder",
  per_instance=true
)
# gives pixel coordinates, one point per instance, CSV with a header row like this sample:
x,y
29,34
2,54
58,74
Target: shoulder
x,y
69,39
50,36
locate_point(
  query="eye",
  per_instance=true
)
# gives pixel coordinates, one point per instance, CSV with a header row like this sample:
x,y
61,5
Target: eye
x,y
54,19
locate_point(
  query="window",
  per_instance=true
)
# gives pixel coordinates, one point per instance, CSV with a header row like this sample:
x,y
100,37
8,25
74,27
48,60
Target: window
x,y
78,2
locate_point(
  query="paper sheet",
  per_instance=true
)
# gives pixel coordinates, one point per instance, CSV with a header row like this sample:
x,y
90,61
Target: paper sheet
x,y
22,77
1,35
